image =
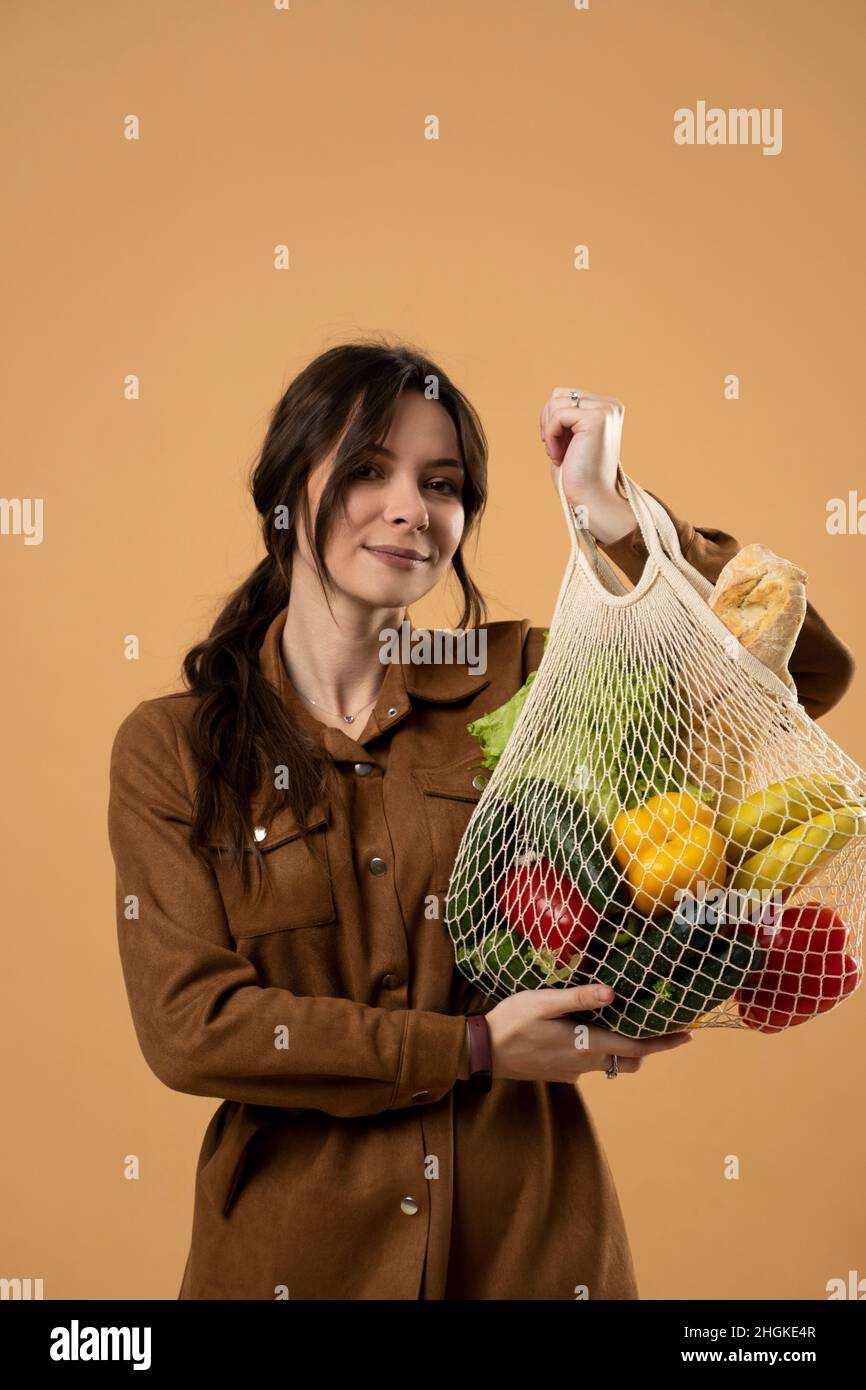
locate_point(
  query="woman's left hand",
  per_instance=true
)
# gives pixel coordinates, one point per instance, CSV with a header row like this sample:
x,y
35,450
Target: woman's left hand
x,y
584,441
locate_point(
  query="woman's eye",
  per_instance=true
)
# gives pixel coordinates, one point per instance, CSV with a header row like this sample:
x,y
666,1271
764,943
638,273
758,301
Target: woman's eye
x,y
438,484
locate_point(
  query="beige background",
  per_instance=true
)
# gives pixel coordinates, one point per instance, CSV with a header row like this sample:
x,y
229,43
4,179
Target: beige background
x,y
155,257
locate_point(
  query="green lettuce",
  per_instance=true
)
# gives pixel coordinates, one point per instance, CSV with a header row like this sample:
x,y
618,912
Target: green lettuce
x,y
617,752
493,730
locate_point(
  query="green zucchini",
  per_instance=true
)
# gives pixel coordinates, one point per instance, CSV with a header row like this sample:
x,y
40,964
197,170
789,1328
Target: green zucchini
x,y
471,909
668,1003
578,846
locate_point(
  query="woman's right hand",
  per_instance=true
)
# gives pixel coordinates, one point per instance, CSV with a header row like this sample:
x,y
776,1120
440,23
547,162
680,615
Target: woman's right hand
x,y
530,1041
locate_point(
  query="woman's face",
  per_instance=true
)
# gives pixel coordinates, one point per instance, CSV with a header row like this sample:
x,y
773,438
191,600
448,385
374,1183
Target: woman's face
x,y
408,498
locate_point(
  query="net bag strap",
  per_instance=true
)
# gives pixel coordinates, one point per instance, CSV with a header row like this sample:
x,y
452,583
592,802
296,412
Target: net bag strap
x,y
656,527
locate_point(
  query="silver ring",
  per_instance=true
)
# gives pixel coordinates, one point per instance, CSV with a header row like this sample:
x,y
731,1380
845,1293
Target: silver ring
x,y
575,398
613,1070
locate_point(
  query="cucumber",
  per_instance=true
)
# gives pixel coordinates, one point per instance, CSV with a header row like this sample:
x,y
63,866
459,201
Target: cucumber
x,y
576,845
650,1012
638,954
471,909
686,940
665,1005
626,1016
730,960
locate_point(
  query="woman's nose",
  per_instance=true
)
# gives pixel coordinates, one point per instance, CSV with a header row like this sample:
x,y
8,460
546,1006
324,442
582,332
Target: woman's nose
x,y
406,504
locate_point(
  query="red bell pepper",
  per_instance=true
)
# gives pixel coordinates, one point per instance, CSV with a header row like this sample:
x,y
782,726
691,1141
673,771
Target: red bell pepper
x,y
546,907
805,969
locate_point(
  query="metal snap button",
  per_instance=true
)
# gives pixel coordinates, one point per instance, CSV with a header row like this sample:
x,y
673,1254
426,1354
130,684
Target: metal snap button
x,y
390,981
363,768
393,709
480,780
260,831
377,865
409,1206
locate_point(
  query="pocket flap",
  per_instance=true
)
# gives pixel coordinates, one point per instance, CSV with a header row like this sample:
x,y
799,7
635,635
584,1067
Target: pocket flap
x,y
283,827
296,888
463,780
220,1176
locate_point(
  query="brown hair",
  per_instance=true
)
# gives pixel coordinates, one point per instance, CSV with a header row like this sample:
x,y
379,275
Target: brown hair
x,y
241,731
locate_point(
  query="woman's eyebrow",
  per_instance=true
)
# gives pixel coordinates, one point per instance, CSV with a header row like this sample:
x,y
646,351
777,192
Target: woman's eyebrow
x,y
430,463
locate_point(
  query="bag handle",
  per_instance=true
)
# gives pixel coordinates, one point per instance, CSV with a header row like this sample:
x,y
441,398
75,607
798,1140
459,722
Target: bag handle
x,y
656,527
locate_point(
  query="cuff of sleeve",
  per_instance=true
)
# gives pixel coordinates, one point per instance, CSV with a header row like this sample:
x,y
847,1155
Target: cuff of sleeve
x,y
434,1055
624,551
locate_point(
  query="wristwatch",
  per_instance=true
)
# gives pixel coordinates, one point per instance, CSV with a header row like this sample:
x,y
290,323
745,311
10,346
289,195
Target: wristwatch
x,y
480,1062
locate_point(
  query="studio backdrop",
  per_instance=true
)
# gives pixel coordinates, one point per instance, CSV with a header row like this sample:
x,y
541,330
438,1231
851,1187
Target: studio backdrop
x,y
657,202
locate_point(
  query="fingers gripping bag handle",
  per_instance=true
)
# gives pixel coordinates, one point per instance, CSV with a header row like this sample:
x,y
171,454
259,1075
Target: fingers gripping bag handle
x,y
664,817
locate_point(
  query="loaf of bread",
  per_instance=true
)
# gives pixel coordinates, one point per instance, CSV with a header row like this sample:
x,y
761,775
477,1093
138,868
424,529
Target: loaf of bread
x,y
761,599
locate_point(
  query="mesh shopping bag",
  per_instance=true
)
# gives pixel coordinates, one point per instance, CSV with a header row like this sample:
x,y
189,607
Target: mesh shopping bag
x,y
664,818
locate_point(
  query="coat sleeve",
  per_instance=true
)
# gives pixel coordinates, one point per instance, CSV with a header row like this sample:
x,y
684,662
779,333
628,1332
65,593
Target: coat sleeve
x,y
821,666
204,1020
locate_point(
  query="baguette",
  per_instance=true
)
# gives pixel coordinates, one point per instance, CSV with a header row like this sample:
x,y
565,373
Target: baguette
x,y
761,599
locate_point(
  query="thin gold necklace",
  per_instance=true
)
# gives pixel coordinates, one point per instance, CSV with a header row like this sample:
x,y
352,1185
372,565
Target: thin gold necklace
x,y
347,718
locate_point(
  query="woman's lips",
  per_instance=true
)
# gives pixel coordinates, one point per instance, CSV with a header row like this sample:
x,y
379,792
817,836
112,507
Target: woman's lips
x,y
399,562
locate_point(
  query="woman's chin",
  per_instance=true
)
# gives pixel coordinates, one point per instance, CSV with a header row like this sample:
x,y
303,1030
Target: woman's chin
x,y
394,591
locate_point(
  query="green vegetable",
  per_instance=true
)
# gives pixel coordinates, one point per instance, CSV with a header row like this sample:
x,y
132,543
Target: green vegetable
x,y
576,846
612,749
494,730
504,958
471,909
657,993
617,751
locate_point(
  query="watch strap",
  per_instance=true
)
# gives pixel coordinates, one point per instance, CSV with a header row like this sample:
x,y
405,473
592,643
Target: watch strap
x,y
480,1057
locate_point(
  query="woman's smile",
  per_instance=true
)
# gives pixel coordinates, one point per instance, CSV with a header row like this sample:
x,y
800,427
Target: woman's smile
x,y
397,557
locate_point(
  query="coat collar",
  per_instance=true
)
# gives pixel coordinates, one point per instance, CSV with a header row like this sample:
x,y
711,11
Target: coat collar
x,y
404,683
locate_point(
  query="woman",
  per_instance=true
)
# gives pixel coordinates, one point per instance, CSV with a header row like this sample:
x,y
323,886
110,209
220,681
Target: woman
x,y
351,1157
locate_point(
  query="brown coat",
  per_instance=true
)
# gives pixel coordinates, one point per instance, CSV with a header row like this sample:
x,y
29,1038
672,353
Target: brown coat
x,y
356,1163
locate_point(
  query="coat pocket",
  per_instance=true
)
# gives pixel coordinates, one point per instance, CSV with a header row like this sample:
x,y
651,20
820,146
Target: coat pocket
x,y
296,888
220,1175
451,794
